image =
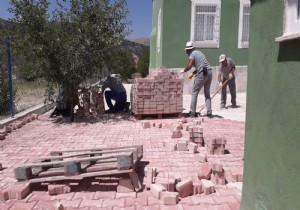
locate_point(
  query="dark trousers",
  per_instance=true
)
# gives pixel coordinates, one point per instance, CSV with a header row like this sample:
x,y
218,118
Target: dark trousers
x,y
232,89
119,98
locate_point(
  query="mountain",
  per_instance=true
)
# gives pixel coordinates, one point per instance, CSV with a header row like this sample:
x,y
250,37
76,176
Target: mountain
x,y
141,40
134,47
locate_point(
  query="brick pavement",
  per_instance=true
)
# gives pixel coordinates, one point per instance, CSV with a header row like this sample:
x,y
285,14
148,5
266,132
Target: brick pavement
x,y
39,137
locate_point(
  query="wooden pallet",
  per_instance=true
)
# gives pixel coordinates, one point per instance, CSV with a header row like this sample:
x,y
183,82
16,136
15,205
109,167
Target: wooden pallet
x,y
79,164
158,115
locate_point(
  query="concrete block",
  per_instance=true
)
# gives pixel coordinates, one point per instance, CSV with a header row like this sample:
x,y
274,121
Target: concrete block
x,y
208,186
18,191
157,190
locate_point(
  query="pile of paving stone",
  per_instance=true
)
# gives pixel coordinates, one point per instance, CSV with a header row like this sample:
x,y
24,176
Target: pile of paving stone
x,y
159,93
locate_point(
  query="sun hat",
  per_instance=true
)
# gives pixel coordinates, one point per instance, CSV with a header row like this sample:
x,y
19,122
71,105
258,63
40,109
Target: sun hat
x,y
222,58
189,45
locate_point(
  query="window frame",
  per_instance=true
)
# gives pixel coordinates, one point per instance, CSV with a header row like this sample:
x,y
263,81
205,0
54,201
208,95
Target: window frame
x,y
207,43
241,44
291,21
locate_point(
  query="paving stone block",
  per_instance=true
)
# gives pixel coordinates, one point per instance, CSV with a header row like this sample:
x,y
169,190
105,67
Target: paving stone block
x,y
208,186
192,147
202,158
18,191
182,145
197,189
4,195
185,188
204,171
176,133
146,124
170,198
57,189
217,167
157,190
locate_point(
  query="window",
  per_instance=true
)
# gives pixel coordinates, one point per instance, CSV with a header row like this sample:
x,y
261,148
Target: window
x,y
243,38
205,26
291,19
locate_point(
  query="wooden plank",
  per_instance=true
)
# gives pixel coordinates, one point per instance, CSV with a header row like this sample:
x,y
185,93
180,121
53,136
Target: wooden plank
x,y
72,167
94,149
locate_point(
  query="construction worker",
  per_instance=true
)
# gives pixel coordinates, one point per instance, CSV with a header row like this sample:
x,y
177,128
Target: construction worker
x,y
202,77
117,93
226,72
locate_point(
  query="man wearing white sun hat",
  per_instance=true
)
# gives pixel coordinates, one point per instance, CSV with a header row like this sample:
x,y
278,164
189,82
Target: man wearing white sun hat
x,y
202,75
226,72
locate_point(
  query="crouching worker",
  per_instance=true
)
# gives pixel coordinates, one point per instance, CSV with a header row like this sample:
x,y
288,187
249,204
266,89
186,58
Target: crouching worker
x,y
117,93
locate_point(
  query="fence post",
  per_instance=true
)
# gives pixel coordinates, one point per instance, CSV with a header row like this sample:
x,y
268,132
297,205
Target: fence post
x,y
11,106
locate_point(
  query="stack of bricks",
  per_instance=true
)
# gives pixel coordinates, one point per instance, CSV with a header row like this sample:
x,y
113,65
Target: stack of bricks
x,y
196,134
90,102
216,146
159,93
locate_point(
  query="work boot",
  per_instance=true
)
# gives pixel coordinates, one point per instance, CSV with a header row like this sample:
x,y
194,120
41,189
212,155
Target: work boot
x,y
127,106
233,106
222,106
192,115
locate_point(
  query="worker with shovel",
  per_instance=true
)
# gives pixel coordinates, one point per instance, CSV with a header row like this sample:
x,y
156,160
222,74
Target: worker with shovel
x,y
226,77
202,77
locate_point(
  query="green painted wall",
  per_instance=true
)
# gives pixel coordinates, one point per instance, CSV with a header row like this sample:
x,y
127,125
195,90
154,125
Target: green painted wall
x,y
176,32
272,143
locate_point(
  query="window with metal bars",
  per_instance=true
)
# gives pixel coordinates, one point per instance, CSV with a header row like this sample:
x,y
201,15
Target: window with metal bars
x,y
243,38
205,23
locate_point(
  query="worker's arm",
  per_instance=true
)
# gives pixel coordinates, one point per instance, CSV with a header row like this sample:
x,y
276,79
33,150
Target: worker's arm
x,y
188,67
219,77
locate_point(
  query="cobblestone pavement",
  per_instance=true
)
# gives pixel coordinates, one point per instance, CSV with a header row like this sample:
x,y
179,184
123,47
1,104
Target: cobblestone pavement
x,y
39,137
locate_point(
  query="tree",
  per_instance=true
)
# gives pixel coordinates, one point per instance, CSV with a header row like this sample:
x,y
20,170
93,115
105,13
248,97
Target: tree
x,y
143,63
67,46
122,63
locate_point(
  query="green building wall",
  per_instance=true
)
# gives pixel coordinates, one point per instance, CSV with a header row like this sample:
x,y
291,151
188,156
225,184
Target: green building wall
x,y
176,26
272,142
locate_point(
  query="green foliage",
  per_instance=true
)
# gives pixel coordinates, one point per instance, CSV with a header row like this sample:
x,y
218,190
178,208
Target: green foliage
x,y
143,63
71,44
4,92
121,62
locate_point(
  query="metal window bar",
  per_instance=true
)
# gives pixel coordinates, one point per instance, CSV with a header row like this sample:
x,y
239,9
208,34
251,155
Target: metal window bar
x,y
205,23
246,20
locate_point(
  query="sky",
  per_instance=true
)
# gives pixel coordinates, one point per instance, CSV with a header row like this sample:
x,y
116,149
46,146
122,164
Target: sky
x,y
140,14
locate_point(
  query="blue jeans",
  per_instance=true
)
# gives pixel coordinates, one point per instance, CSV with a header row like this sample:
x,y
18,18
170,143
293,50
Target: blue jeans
x,y
119,98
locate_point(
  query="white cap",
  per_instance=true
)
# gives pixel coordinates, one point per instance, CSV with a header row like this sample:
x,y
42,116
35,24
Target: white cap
x,y
189,45
222,58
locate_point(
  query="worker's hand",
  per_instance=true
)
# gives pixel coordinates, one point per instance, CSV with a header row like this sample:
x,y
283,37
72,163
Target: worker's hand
x,y
182,71
230,76
191,76
220,84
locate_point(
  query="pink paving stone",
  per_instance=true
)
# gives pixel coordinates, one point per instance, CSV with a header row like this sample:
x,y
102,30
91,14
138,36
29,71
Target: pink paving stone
x,y
114,203
56,189
23,206
72,203
125,208
49,205
185,188
91,203
204,171
152,207
170,198
157,190
199,199
124,195
18,191
125,186
130,201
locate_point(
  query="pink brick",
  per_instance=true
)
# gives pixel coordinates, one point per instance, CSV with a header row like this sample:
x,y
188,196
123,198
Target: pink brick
x,y
185,188
204,171
18,191
176,133
202,158
57,189
170,198
217,167
157,190
192,147
182,145
169,184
